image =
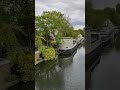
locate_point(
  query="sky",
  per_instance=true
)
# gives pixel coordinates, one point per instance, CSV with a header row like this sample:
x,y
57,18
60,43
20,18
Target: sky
x,y
74,9
105,3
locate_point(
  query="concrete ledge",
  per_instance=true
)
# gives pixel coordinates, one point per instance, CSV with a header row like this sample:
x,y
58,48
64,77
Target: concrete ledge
x,y
37,58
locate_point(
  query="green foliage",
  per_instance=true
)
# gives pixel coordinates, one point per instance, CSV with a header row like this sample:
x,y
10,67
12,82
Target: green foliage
x,y
68,33
58,37
75,33
16,32
23,64
47,53
38,41
96,17
82,32
49,22
27,67
41,49
53,42
118,8
11,78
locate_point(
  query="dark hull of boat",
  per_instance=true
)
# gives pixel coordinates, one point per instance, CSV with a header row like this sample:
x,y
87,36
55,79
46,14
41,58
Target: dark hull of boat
x,y
104,44
67,52
68,55
91,57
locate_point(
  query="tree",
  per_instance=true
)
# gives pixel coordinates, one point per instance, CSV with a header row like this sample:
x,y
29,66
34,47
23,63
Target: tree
x,y
49,22
95,18
82,32
17,24
118,8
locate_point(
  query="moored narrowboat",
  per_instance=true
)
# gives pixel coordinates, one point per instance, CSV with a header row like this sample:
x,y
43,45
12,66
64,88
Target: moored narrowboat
x,y
67,46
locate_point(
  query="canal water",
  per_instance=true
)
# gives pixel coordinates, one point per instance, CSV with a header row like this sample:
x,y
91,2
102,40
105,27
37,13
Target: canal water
x,y
65,73
106,75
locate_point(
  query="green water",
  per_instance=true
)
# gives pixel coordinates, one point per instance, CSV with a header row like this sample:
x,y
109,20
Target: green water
x,y
63,74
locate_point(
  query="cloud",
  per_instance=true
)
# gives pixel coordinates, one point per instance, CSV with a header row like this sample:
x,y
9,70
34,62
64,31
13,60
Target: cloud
x,y
105,3
74,9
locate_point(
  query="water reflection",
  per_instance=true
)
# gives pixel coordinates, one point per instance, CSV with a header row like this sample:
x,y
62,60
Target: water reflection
x,y
117,44
66,73
106,75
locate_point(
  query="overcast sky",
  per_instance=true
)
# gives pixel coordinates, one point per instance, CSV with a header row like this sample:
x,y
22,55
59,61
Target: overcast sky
x,y
74,9
105,3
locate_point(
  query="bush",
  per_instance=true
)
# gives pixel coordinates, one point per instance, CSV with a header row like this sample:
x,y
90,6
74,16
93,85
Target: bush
x,y
22,65
53,43
38,41
47,53
27,67
11,78
41,49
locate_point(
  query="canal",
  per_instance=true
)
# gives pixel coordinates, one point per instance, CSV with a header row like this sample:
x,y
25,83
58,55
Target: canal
x,y
106,75
65,73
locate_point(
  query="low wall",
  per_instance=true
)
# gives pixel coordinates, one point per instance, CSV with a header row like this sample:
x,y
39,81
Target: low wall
x,y
37,57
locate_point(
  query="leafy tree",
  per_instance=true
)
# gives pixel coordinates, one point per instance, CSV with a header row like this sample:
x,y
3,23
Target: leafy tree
x,y
118,8
82,32
38,41
49,22
16,32
96,17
